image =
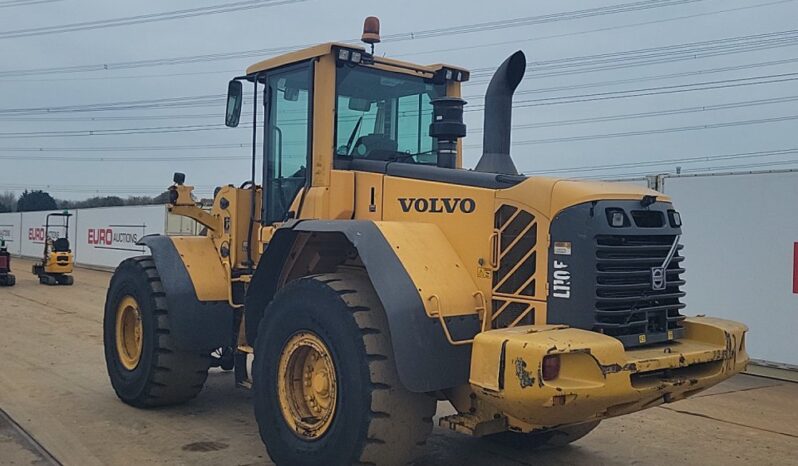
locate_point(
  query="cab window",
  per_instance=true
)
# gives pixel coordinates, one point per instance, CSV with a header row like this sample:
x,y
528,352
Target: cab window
x,y
287,138
384,116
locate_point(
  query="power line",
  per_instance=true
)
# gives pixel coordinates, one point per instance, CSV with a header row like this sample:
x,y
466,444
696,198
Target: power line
x,y
650,91
116,132
657,113
214,99
593,137
96,189
525,92
707,170
147,18
127,148
669,161
404,36
655,52
214,127
723,69
25,3
602,29
127,158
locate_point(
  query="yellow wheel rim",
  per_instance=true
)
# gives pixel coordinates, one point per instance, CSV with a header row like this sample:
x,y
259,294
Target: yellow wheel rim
x,y
128,332
306,385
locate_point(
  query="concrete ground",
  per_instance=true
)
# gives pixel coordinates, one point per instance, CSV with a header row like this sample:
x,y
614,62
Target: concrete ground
x,y
54,386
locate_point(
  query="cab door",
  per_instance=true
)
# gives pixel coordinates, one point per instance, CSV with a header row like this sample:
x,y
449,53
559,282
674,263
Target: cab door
x,y
287,136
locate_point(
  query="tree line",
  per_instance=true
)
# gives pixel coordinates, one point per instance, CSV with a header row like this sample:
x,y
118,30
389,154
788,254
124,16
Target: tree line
x,y
36,200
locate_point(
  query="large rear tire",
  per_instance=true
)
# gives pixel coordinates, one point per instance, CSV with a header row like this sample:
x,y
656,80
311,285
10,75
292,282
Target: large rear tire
x,y
144,366
351,407
552,438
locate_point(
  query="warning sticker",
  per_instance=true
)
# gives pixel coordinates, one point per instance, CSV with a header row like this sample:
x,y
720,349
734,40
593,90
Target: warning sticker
x,y
562,248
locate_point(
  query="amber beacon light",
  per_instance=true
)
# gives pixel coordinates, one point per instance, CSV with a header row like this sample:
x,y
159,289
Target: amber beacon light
x,y
371,31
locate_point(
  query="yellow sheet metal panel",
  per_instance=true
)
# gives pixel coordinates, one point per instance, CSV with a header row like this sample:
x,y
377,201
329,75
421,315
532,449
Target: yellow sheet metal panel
x,y
204,266
323,144
464,215
444,283
551,195
325,49
368,196
297,56
341,195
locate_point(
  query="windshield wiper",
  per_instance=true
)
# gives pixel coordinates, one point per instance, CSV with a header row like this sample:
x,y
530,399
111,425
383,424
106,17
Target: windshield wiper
x,y
355,132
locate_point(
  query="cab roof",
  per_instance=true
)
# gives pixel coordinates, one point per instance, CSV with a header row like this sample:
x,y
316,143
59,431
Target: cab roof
x,y
325,49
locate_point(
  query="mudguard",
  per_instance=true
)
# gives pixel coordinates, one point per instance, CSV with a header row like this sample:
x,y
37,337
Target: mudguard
x,y
195,323
425,359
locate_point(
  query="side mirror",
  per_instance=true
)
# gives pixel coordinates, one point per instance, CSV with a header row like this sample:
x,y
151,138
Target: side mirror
x,y
234,98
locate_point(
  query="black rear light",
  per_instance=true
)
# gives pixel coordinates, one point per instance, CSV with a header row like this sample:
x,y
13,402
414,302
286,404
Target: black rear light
x,y
551,367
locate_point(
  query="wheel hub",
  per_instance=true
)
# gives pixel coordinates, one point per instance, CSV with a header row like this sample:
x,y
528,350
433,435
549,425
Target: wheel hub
x,y
307,385
129,332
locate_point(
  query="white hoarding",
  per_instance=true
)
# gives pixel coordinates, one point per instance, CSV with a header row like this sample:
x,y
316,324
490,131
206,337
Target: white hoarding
x,y
33,231
107,236
10,225
741,248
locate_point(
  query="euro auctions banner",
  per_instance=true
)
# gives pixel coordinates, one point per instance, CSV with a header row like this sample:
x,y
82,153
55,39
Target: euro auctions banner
x,y
98,237
10,224
107,236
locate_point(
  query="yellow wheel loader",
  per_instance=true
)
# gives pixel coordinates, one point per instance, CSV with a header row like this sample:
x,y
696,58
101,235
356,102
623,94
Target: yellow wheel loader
x,y
369,275
56,263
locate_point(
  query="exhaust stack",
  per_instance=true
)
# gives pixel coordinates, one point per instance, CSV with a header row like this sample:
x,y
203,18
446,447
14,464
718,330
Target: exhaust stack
x,y
498,116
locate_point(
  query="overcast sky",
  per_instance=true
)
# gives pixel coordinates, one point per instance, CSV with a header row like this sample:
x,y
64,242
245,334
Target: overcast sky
x,y
733,115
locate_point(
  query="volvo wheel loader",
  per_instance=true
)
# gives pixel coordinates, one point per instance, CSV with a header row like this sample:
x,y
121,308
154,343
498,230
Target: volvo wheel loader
x,y
369,275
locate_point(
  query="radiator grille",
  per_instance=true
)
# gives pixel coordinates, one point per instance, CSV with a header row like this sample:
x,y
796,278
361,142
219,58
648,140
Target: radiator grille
x,y
626,305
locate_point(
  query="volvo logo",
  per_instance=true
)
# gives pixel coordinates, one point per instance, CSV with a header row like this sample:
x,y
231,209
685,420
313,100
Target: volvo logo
x,y
437,205
659,275
658,280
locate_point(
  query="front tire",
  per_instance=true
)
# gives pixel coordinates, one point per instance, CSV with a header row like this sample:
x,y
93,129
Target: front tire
x,y
144,366
357,410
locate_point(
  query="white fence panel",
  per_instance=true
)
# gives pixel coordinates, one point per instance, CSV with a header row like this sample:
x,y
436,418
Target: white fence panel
x,y
10,228
107,236
741,248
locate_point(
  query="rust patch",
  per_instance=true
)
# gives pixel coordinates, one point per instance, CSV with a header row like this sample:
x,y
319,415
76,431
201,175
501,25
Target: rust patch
x,y
524,378
613,368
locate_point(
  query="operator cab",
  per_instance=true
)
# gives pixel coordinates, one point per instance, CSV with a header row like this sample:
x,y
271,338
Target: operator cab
x,y
334,104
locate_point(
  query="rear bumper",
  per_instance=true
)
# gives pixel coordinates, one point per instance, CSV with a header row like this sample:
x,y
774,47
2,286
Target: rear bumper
x,y
598,378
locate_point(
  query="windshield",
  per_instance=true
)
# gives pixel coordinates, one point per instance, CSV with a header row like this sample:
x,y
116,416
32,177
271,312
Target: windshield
x,y
384,116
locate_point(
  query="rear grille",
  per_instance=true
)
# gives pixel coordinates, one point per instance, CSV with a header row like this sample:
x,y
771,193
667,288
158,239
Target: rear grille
x,y
509,313
518,234
626,305
514,281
